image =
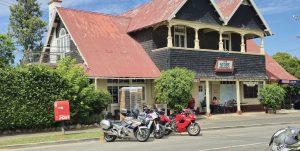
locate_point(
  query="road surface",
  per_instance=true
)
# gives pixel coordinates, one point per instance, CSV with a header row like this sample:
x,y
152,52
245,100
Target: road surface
x,y
239,139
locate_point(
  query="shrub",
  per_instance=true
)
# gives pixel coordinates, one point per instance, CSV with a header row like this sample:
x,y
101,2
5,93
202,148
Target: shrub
x,y
174,87
27,95
272,96
85,100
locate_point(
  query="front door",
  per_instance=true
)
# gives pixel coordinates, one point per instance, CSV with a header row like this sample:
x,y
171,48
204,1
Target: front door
x,y
202,96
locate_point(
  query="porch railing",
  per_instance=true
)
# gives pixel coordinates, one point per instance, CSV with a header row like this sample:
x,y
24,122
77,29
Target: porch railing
x,y
43,57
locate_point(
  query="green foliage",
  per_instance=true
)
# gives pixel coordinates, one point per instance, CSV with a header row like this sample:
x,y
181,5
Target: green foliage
x,y
26,25
289,63
174,87
6,50
27,95
272,96
85,100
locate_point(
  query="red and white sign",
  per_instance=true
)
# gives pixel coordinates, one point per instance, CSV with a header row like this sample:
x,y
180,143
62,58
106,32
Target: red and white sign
x,y
61,110
224,65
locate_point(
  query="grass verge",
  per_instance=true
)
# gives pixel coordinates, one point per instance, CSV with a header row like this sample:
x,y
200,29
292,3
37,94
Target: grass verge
x,y
49,138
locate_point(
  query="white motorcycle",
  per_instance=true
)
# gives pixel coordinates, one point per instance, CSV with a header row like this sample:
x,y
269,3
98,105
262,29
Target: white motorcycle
x,y
128,128
285,140
152,120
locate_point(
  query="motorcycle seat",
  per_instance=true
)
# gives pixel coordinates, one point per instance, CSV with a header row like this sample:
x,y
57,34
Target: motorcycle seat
x,y
116,122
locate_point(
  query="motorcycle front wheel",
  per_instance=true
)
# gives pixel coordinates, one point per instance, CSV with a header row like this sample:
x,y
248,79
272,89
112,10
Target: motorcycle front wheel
x,y
194,129
142,135
109,138
160,133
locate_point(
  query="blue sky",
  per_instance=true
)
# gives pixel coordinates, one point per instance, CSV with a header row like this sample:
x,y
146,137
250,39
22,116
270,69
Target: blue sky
x,y
278,13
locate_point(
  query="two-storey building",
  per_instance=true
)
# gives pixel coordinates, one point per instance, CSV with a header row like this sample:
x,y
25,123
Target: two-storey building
x,y
214,38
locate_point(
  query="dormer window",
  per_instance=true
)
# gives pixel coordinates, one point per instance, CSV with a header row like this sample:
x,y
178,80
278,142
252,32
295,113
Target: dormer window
x,y
180,36
63,42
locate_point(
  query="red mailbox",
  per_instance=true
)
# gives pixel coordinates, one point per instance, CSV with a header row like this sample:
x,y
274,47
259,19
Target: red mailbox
x,y
61,110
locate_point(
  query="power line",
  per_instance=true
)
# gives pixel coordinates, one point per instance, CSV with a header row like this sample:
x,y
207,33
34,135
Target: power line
x,y
5,2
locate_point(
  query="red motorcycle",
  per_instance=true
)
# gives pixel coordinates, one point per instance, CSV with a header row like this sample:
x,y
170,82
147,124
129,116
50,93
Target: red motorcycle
x,y
182,122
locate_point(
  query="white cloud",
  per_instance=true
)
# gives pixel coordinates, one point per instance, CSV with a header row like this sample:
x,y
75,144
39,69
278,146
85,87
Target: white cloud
x,y
278,6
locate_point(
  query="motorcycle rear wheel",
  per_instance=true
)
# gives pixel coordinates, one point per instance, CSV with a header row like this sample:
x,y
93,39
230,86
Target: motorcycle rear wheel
x,y
160,134
194,129
109,138
143,135
167,132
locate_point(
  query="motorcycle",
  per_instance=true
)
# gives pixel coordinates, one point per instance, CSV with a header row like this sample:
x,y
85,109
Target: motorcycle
x,y
182,122
285,140
129,127
152,119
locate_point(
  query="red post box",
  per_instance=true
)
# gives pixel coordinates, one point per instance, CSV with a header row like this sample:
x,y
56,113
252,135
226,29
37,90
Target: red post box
x,y
61,110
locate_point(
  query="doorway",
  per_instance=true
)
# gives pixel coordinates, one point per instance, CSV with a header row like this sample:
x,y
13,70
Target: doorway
x,y
202,97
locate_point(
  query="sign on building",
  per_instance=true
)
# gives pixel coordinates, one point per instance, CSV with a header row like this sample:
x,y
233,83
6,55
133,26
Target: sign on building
x,y
224,65
131,97
61,110
251,84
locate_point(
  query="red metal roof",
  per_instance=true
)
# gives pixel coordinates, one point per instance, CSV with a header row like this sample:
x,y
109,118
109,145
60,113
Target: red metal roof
x,y
274,70
227,7
106,47
152,13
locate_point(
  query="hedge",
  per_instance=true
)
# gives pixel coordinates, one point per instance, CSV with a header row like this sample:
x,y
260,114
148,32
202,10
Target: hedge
x,y
27,95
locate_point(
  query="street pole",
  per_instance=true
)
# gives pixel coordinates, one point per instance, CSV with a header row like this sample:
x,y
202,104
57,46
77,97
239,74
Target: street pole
x,y
63,127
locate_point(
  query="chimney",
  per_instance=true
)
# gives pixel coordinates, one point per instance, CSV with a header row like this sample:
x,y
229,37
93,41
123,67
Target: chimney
x,y
53,4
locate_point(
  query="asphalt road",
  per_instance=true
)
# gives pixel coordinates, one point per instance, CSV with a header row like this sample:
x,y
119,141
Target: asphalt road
x,y
239,139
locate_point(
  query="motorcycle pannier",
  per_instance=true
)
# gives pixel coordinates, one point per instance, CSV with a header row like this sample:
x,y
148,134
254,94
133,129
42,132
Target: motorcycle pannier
x,y
106,124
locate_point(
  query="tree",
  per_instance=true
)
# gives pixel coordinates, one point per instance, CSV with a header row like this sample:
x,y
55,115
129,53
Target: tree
x,y
174,87
6,50
88,100
26,26
272,96
289,63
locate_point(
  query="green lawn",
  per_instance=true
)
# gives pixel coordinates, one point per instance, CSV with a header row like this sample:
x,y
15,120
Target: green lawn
x,y
49,138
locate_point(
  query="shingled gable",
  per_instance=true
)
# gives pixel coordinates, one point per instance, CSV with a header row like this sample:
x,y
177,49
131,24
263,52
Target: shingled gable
x,y
227,8
274,70
158,11
107,48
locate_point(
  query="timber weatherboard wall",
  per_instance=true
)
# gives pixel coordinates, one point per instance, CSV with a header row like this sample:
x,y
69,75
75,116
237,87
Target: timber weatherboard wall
x,y
248,67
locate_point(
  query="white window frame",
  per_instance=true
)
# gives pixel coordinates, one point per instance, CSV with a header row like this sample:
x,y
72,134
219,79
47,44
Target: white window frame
x,y
130,84
179,35
63,42
227,37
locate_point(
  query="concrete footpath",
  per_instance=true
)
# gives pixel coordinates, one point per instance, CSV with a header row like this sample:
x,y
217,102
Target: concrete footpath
x,y
254,119
215,122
